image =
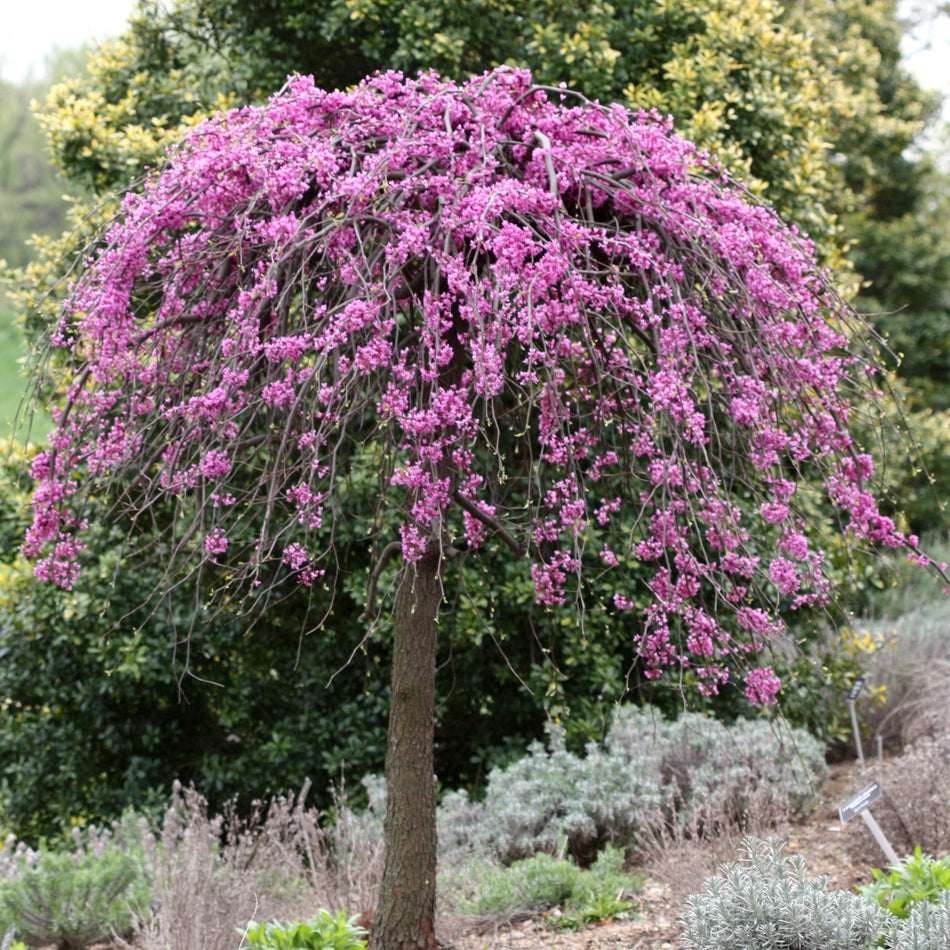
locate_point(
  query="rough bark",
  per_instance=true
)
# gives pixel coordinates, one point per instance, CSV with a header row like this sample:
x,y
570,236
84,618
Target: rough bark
x,y
405,911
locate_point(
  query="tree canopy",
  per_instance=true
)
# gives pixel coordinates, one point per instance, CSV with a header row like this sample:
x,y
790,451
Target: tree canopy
x,y
278,308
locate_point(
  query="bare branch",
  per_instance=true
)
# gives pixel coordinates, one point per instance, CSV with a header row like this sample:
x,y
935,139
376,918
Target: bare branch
x,y
493,525
388,552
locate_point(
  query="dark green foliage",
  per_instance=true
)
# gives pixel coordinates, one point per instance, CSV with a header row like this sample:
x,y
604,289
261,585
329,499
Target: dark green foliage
x,y
106,703
97,718
816,676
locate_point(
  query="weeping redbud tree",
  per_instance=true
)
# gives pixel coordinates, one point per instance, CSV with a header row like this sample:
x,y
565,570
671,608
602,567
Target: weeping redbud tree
x,y
532,321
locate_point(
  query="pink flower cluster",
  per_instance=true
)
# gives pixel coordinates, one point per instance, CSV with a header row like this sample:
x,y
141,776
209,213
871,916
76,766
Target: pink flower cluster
x,y
557,318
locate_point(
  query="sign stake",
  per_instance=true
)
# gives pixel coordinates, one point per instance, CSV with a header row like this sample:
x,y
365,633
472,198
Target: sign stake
x,y
881,838
859,805
852,696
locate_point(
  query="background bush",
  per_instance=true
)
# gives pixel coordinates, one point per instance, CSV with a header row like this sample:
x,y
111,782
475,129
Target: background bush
x,y
694,774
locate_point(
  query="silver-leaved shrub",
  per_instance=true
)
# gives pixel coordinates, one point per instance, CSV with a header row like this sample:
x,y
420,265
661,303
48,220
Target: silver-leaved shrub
x,y
927,927
651,776
767,901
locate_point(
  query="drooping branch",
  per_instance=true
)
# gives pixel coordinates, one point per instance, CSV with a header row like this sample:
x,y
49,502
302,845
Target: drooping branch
x,y
493,524
385,556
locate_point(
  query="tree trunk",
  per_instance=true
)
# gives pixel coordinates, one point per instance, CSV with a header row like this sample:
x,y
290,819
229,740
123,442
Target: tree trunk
x,y
405,911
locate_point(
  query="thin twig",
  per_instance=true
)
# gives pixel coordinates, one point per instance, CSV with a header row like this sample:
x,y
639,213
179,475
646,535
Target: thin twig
x,y
388,552
545,143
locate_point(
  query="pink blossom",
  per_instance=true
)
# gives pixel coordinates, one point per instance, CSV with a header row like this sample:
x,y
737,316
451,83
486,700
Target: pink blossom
x,y
216,543
762,686
280,393
784,576
774,512
795,545
295,555
215,464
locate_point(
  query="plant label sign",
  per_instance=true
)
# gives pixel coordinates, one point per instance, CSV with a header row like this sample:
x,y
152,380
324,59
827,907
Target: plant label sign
x,y
856,688
857,804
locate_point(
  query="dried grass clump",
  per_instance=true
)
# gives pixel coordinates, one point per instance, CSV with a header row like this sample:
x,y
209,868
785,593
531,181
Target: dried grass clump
x,y
914,810
913,665
211,875
916,680
685,853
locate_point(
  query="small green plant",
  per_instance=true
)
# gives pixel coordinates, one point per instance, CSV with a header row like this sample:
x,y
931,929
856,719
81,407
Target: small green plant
x,y
75,899
543,883
323,932
918,879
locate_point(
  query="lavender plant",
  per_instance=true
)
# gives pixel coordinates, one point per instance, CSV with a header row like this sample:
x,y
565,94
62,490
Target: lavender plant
x,y
649,776
767,901
72,898
703,760
927,927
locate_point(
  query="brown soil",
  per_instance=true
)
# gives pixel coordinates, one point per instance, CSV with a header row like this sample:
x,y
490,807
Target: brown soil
x,y
827,846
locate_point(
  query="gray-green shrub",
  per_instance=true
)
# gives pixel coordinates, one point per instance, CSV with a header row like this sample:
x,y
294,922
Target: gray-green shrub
x,y
78,897
649,776
926,928
550,797
767,901
702,759
543,882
